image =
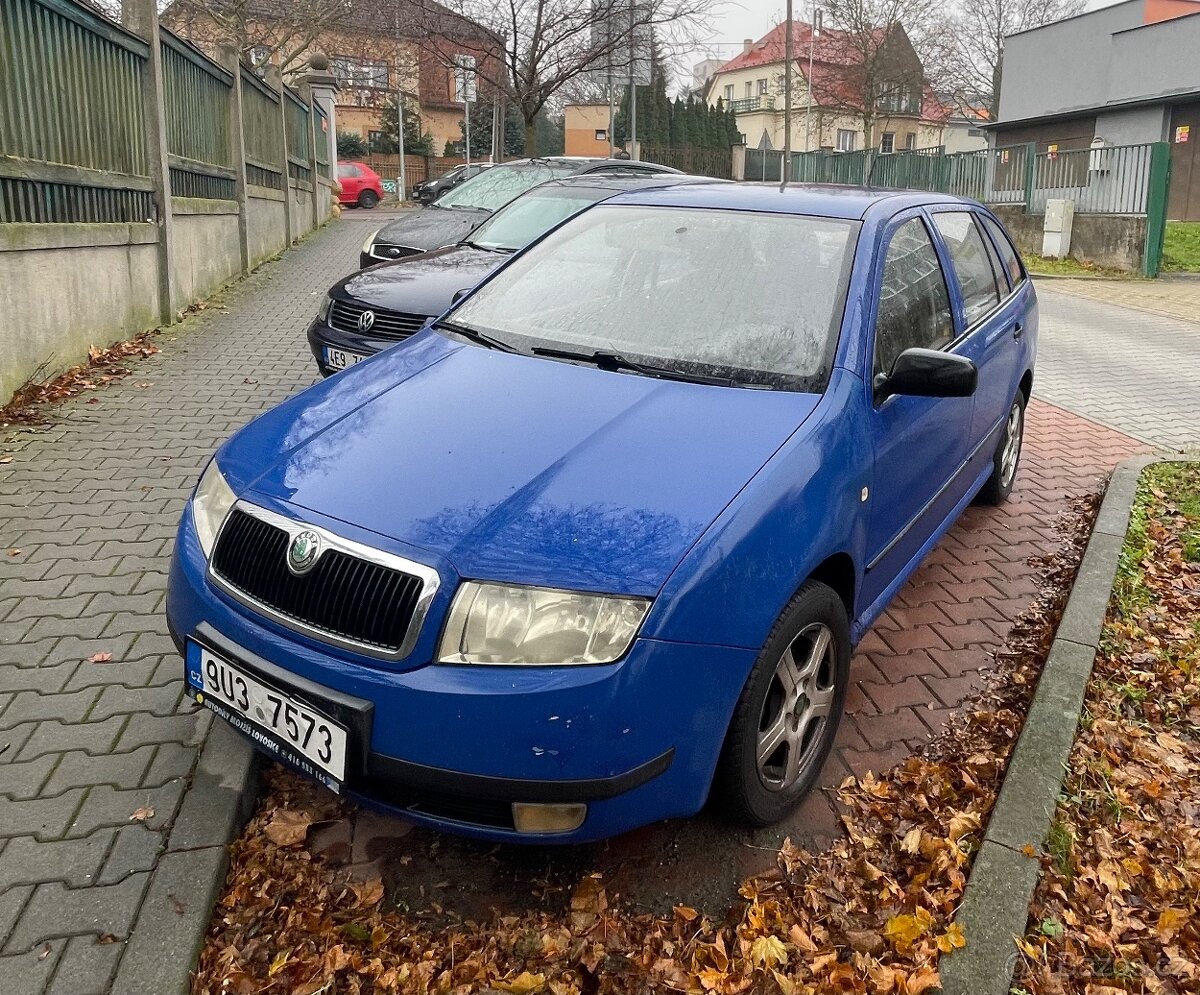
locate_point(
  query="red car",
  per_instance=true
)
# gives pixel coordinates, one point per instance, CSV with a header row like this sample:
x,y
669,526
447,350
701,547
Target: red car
x,y
361,185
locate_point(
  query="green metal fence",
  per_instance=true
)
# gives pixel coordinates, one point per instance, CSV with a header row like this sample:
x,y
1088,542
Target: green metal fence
x,y
696,161
261,124
297,125
72,133
321,132
196,93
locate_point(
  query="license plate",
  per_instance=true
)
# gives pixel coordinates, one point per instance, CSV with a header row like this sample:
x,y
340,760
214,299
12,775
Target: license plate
x,y
292,730
339,359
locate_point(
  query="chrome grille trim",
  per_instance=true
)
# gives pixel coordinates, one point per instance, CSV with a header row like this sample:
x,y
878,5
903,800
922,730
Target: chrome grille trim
x,y
429,577
343,315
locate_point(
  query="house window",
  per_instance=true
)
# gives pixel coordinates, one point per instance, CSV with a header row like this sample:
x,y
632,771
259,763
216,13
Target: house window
x,y
887,143
910,141
846,140
762,87
728,93
749,89
601,135
357,74
376,141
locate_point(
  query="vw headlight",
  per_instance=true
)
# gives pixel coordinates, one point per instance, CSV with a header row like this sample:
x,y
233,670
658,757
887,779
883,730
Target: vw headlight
x,y
210,505
323,308
504,624
369,244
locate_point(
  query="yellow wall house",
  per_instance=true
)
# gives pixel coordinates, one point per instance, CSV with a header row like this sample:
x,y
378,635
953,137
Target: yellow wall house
x,y
906,115
585,129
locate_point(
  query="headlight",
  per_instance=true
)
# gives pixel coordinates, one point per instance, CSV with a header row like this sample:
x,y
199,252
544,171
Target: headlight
x,y
370,242
323,308
210,506
502,624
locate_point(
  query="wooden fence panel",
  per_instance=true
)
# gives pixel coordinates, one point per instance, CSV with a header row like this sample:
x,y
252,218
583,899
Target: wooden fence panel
x,y
296,120
260,129
196,94
72,134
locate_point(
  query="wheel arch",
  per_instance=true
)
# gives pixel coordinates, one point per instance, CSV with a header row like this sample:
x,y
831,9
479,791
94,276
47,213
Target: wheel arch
x,y
1026,385
838,572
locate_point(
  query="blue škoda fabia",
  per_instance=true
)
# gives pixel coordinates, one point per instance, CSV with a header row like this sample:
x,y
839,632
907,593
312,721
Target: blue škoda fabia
x,y
597,544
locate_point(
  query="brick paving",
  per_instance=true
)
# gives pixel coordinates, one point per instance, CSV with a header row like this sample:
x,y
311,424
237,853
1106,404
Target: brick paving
x,y
92,504
1112,360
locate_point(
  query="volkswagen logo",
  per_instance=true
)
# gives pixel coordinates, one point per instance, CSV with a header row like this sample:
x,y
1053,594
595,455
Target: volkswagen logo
x,y
366,320
303,551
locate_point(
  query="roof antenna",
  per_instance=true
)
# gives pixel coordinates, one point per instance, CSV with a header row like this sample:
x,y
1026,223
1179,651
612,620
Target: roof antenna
x,y
786,171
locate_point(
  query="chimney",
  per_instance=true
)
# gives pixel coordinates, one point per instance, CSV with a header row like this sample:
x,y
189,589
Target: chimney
x,y
747,44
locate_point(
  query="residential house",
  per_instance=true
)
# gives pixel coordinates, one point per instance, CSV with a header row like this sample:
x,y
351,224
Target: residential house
x,y
964,121
1121,75
902,111
373,46
585,129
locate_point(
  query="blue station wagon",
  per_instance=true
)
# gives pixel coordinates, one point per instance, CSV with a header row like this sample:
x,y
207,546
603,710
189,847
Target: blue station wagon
x,y
596,545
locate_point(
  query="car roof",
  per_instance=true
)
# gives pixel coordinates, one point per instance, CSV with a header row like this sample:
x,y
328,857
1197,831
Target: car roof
x,y
584,163
624,181
819,199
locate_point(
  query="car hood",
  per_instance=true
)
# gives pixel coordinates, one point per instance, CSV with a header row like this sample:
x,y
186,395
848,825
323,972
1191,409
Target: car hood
x,y
421,284
515,468
432,227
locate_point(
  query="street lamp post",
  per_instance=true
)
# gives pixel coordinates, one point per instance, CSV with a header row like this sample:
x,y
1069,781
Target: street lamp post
x,y
786,172
814,29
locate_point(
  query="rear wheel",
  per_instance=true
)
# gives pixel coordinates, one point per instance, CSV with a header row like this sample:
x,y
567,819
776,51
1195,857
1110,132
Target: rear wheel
x,y
368,199
1008,454
787,716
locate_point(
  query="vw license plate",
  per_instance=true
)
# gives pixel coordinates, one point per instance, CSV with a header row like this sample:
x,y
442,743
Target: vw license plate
x,y
339,359
291,729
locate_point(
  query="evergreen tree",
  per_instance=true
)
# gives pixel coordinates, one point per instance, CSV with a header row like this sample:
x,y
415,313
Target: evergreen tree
x,y
415,142
351,145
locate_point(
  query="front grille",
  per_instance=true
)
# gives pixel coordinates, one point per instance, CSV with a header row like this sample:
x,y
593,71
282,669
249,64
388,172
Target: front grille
x,y
343,596
344,315
384,251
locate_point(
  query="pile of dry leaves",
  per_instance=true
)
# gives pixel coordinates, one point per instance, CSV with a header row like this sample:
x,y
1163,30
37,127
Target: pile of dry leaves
x,y
103,366
872,913
1116,910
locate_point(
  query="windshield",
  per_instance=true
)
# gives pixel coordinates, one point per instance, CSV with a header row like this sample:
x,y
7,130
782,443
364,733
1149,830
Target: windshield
x,y
533,214
755,298
495,187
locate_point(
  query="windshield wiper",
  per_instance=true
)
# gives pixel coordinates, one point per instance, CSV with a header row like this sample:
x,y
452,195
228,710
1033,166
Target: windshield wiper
x,y
475,335
615,362
487,248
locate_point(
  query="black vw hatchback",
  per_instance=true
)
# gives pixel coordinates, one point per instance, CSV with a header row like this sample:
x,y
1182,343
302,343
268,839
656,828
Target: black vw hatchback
x,y
454,215
372,309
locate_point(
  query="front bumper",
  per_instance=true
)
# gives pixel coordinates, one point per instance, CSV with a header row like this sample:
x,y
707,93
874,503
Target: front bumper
x,y
454,747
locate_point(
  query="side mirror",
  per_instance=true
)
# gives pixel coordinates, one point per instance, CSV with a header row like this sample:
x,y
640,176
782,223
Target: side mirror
x,y
928,373
459,295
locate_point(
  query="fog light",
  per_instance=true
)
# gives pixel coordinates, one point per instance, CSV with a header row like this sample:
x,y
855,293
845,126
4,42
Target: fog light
x,y
531,818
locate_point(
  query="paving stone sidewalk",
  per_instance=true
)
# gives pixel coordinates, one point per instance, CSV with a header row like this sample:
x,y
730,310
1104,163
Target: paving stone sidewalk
x,y
1172,295
1119,364
88,510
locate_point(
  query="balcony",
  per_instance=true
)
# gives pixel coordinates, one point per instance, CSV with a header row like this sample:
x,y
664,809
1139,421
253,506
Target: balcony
x,y
747,104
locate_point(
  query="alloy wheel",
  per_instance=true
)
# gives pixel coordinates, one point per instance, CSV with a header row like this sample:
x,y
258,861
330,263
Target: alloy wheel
x,y
1012,445
797,708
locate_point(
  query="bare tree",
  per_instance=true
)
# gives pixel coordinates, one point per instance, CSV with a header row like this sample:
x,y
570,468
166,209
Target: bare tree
x,y
868,64
543,46
974,61
281,33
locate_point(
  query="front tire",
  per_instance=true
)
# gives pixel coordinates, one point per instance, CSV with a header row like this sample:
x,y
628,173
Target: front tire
x,y
1008,454
785,721
368,199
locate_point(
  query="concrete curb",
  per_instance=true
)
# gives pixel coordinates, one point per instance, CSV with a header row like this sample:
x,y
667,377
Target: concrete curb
x,y
995,905
186,881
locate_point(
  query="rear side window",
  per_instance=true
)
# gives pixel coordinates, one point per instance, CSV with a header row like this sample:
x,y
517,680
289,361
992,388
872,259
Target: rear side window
x,y
976,279
346,170
914,304
1008,255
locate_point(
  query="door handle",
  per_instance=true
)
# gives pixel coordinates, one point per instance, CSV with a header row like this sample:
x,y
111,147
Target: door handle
x,y
1018,330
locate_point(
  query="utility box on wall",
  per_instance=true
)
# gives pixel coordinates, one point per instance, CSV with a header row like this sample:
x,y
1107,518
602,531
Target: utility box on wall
x,y
1056,232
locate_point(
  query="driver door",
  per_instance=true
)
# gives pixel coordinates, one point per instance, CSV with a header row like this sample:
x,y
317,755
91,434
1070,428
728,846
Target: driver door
x,y
919,442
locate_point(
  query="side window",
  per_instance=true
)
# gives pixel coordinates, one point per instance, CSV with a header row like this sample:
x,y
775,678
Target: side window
x,y
347,171
914,304
976,279
1008,255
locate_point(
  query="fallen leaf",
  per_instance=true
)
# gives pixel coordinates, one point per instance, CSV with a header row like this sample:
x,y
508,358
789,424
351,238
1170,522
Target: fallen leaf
x,y
99,658
142,813
523,984
768,952
288,828
14,552
6,459
44,952
903,931
686,913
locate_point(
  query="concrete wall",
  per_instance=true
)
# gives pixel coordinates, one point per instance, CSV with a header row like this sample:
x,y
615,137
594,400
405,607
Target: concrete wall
x,y
1114,241
204,244
70,286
